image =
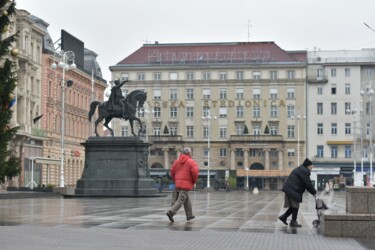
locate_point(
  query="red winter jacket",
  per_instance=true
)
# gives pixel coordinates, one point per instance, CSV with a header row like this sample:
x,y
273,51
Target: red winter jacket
x,y
184,172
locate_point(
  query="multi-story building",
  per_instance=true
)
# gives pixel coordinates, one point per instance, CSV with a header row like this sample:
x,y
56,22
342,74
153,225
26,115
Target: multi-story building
x,y
38,109
235,104
339,126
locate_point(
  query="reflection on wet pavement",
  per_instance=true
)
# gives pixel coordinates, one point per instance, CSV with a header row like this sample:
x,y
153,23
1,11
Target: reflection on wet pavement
x,y
214,211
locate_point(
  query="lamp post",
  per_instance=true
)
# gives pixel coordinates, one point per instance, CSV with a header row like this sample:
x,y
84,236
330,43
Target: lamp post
x,y
147,113
353,112
298,119
65,62
247,178
370,93
208,119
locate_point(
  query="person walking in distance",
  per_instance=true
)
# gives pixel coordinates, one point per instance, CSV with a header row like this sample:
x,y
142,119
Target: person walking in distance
x,y
298,181
184,173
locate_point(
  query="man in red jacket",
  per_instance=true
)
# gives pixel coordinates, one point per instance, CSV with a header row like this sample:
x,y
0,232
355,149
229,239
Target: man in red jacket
x,y
184,173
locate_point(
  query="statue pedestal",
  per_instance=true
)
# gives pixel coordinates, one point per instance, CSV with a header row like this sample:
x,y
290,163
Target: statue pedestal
x,y
116,167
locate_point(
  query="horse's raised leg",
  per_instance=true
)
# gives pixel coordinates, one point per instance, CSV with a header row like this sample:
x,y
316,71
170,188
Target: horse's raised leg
x,y
106,125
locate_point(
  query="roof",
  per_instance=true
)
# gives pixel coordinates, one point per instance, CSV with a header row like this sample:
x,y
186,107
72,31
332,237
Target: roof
x,y
211,53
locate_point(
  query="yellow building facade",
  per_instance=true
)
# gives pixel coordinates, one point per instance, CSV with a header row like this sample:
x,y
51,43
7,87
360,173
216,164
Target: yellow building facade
x,y
237,105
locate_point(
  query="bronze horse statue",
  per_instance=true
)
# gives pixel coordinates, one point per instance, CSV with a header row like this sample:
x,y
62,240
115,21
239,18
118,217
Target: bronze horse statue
x,y
132,102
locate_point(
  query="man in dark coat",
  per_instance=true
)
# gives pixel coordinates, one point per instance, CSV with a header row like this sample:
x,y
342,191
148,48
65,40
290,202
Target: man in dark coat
x,y
294,187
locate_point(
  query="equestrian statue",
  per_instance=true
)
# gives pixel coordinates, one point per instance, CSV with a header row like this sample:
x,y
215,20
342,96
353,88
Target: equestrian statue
x,y
119,107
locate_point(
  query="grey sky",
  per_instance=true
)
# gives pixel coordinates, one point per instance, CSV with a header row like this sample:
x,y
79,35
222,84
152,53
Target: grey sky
x,y
116,28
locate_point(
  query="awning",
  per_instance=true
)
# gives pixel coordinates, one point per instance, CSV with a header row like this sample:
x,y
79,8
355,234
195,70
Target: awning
x,y
43,160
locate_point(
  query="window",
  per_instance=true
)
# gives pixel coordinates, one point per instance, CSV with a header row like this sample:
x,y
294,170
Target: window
x,y
206,152
239,129
156,131
239,152
223,112
347,72
206,75
223,132
334,128
319,106
173,76
273,74
256,75
190,94
256,130
273,93
223,152
333,72
348,127
206,111
290,152
223,75
347,88
319,73
273,111
223,93
333,151
173,94
173,130
333,89
320,128
205,131
157,94
189,76
173,112
157,76
125,76
348,109
124,131
290,93
290,111
239,111
369,72
256,93
290,74
256,111
190,131
333,108
273,129
290,131
239,93
157,112
206,93
141,76
320,90
320,151
190,112
348,151
239,75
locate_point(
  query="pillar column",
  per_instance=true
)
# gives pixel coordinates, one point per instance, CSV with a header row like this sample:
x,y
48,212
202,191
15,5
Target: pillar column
x,y
267,159
232,159
245,158
166,158
280,159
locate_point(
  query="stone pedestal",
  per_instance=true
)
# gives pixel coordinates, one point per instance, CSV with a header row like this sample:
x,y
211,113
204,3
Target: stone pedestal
x,y
116,167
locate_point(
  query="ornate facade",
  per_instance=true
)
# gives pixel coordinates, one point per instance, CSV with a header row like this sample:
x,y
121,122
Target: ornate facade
x,y
232,103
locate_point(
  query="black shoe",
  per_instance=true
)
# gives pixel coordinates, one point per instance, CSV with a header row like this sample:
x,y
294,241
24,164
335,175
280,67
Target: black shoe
x,y
283,219
190,217
294,223
170,216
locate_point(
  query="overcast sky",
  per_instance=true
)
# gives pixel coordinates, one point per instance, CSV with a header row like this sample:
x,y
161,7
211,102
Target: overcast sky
x,y
116,28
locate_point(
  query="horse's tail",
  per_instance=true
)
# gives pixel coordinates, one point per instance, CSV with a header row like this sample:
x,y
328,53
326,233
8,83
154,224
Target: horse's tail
x,y
93,106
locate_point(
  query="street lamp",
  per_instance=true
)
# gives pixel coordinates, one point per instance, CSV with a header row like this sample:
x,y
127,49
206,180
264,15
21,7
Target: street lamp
x,y
298,119
65,62
208,119
147,113
247,178
370,93
353,112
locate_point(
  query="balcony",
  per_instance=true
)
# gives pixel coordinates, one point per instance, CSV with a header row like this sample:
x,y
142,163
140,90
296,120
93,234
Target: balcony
x,y
314,78
165,138
256,138
39,132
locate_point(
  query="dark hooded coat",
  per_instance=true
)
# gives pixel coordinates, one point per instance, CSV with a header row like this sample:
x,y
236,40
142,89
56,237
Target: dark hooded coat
x,y
298,181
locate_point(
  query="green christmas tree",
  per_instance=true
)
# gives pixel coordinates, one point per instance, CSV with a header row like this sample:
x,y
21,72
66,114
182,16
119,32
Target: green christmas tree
x,y
10,165
245,130
166,131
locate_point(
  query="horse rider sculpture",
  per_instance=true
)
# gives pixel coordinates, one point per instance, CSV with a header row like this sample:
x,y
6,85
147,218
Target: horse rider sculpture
x,y
116,97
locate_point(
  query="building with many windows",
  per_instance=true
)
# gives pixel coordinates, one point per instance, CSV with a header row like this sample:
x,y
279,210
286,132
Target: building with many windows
x,y
339,108
237,105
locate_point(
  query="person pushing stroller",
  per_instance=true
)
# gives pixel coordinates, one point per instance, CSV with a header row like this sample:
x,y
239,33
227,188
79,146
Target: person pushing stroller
x,y
298,181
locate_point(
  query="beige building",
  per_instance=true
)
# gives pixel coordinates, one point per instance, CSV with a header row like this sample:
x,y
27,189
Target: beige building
x,y
38,109
207,96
